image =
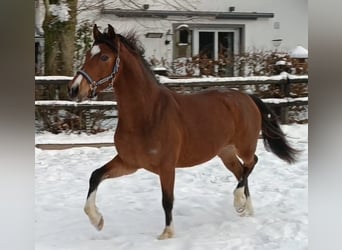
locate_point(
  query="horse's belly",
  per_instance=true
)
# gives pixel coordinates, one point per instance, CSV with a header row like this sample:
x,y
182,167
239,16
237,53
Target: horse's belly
x,y
190,162
200,152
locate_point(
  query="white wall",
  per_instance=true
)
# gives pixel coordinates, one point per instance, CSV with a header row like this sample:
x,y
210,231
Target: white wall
x,y
292,16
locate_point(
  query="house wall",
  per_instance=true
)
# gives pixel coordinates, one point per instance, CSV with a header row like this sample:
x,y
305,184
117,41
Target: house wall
x,y
290,21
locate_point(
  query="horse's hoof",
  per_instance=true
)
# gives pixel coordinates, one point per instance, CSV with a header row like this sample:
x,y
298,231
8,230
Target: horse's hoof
x,y
99,225
243,205
249,210
240,200
167,234
97,221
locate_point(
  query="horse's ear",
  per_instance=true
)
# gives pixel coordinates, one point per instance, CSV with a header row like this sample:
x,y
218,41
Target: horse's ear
x,y
111,31
96,32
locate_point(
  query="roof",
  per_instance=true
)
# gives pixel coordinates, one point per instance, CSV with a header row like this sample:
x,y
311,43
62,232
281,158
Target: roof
x,y
165,13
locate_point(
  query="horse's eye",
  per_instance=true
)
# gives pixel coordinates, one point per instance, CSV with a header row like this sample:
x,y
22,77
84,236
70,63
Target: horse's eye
x,y
104,58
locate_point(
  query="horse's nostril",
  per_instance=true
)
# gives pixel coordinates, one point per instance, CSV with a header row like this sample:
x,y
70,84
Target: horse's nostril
x,y
73,91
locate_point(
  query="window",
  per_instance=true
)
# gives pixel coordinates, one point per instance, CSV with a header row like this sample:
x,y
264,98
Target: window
x,y
183,46
211,41
206,45
183,36
218,44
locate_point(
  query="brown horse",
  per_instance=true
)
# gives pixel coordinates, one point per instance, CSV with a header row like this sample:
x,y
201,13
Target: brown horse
x,y
159,130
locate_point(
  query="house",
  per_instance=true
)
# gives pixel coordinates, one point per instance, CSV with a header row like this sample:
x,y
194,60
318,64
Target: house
x,y
175,29
212,27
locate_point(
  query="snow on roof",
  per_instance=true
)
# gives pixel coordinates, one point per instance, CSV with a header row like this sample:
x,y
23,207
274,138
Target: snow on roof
x,y
299,52
182,26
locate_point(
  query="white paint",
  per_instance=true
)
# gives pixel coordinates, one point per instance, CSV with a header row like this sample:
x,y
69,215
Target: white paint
x,y
91,210
95,50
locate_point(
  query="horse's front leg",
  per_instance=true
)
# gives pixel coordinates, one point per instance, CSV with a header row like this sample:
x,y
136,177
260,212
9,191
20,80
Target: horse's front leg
x,y
167,180
112,169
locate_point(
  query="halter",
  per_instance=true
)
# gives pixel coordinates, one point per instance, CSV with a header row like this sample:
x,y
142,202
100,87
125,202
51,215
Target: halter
x,y
94,84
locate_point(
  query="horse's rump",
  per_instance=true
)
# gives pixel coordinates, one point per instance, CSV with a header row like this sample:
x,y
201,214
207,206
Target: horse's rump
x,y
214,119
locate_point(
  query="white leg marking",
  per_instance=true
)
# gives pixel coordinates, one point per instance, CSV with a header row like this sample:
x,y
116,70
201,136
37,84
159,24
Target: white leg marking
x,y
239,199
243,205
249,207
77,81
95,50
167,233
91,210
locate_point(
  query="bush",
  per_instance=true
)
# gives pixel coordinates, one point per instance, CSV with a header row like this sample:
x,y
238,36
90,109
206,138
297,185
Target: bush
x,y
249,64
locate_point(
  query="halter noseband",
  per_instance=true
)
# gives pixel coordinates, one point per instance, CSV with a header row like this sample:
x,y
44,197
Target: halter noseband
x,y
94,84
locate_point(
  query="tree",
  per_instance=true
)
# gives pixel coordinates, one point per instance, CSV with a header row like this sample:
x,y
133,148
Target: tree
x,y
64,43
59,33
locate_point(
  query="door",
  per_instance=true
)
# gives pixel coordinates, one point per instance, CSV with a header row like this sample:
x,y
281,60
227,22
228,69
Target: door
x,y
226,53
206,44
215,45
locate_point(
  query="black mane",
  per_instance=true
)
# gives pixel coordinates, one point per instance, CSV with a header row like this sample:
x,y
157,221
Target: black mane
x,y
131,41
104,38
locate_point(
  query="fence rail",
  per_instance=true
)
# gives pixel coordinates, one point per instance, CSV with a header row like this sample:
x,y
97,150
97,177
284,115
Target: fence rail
x,y
286,94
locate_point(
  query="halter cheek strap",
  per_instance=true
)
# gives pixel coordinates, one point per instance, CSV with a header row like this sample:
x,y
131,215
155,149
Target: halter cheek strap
x,y
94,84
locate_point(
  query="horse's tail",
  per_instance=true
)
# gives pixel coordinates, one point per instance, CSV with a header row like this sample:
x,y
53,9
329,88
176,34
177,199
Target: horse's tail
x,y
273,136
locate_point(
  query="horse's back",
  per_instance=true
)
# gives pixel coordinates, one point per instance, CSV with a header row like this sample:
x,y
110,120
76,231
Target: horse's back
x,y
213,119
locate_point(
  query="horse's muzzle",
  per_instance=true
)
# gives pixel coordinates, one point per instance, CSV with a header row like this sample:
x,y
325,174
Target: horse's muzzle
x,y
73,91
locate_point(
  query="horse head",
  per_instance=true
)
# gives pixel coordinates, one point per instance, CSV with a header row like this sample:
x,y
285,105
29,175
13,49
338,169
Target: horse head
x,y
100,67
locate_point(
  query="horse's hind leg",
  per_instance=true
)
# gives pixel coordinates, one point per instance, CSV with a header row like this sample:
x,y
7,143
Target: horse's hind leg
x,y
112,169
242,199
167,181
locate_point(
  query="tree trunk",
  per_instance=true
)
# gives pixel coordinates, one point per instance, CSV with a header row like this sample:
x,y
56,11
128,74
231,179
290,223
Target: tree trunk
x,y
59,39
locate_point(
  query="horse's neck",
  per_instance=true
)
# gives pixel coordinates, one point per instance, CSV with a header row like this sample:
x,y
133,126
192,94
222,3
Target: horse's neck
x,y
137,94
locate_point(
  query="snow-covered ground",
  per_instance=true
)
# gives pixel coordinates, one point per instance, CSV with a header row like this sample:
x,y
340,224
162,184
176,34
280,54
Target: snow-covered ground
x,y
204,216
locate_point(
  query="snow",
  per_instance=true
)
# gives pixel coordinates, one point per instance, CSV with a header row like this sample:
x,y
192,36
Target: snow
x,y
61,11
164,79
299,52
204,217
53,78
113,103
283,75
280,62
184,26
285,100
158,68
63,138
74,103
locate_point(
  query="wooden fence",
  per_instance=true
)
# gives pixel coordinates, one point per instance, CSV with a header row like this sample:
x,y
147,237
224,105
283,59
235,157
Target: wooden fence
x,y
286,94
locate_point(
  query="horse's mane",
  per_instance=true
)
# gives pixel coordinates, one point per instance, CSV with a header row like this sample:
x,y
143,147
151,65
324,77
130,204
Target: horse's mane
x,y
130,39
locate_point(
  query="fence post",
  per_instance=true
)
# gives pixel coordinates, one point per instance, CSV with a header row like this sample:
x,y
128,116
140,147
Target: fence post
x,y
285,109
284,114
